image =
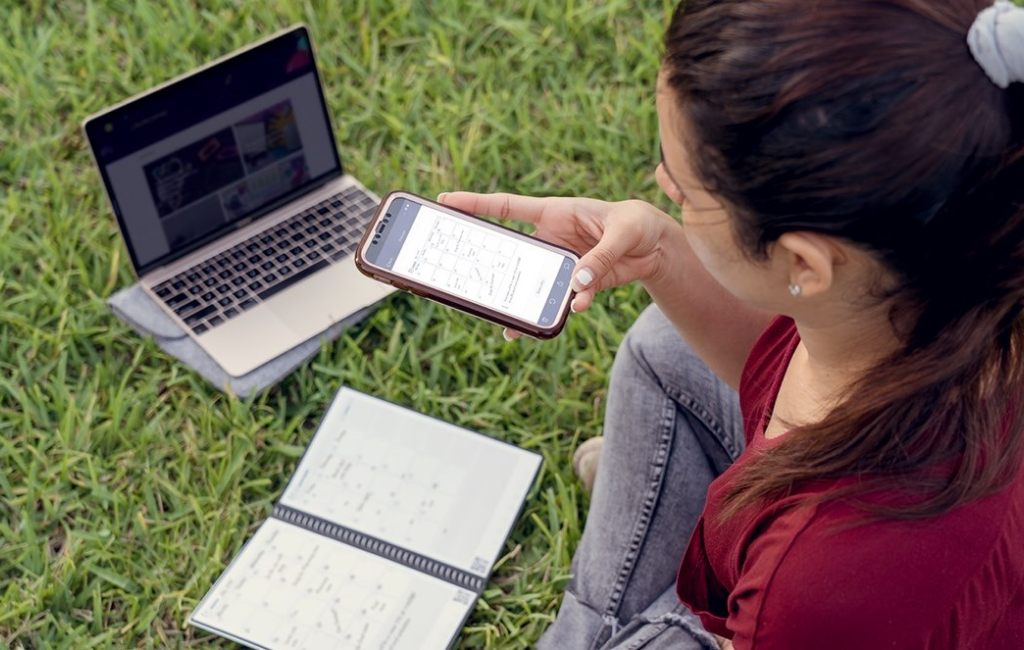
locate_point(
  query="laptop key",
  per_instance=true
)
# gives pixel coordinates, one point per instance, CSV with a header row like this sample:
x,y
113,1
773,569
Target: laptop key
x,y
287,282
176,299
296,251
239,294
187,307
215,321
299,263
237,280
199,329
195,289
269,277
285,270
230,313
210,281
282,258
208,296
224,302
266,266
197,316
247,304
178,284
256,286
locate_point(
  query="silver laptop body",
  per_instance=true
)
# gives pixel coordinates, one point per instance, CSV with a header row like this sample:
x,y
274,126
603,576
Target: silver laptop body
x,y
231,198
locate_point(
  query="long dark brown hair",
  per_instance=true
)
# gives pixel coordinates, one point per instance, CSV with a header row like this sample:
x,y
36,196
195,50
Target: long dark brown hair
x,y
870,121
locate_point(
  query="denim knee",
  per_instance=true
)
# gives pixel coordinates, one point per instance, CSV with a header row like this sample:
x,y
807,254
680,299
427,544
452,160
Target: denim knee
x,y
654,350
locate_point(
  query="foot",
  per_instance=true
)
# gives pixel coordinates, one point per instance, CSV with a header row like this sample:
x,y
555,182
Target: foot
x,y
585,459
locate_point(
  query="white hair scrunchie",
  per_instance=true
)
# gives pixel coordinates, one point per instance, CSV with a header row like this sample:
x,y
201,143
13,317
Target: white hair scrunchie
x,y
996,40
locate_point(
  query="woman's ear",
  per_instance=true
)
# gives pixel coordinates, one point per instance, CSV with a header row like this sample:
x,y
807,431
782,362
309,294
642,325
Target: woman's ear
x,y
811,261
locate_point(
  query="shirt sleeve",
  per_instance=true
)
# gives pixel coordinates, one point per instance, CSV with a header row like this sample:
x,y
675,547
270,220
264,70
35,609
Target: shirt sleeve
x,y
804,585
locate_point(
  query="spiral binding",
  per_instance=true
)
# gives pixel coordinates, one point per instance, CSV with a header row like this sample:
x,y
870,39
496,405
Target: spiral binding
x,y
379,547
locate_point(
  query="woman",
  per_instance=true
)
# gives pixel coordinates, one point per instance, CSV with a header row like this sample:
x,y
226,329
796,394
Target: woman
x,y
851,177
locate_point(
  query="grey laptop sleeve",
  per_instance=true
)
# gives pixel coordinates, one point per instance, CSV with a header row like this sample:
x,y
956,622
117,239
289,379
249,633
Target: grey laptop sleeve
x,y
135,307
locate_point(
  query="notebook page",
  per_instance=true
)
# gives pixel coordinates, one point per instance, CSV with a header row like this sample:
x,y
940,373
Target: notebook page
x,y
414,481
291,588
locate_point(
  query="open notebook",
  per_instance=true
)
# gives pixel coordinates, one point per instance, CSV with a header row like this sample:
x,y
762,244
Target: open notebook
x,y
384,537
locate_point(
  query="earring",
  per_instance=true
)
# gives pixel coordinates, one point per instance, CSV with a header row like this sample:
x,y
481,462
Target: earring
x,y
795,290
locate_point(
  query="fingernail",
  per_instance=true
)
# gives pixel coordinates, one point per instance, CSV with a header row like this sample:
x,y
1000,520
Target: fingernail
x,y
572,306
505,335
583,277
440,197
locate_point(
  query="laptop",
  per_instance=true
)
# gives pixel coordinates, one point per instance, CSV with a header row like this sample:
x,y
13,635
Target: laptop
x,y
230,195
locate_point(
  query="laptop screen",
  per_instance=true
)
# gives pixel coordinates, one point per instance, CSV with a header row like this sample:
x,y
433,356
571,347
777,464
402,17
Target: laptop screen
x,y
209,152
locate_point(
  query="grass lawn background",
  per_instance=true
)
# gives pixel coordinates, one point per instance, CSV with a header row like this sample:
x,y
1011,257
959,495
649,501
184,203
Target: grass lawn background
x,y
126,482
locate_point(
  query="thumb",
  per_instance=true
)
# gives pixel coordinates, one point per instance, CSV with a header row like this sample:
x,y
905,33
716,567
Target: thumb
x,y
591,271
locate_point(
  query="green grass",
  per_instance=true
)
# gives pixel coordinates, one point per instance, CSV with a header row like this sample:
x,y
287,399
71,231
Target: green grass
x,y
126,482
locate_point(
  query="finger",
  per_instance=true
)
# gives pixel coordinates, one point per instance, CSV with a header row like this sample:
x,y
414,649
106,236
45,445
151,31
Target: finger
x,y
510,335
501,205
582,302
592,268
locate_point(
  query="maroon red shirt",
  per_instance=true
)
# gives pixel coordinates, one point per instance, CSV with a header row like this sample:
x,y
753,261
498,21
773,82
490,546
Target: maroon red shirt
x,y
783,578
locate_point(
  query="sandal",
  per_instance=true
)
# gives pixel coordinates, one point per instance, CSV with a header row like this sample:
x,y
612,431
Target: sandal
x,y
585,460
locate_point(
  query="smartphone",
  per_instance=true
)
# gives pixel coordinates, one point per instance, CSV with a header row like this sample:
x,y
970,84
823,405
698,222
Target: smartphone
x,y
469,263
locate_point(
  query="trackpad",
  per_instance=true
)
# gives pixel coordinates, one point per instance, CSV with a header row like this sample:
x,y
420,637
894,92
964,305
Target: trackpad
x,y
323,299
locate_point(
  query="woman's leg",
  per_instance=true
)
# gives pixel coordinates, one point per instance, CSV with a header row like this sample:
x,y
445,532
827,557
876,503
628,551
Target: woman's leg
x,y
671,426
666,624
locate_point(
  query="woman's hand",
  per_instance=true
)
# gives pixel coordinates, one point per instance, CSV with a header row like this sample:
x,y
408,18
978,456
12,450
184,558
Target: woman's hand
x,y
620,242
632,240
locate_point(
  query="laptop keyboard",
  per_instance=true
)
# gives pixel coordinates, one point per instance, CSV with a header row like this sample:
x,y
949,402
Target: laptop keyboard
x,y
224,286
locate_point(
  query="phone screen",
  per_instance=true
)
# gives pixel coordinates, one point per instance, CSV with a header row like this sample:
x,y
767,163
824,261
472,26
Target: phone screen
x,y
487,266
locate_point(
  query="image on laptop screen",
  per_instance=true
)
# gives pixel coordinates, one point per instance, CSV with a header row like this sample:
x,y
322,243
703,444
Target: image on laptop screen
x,y
230,142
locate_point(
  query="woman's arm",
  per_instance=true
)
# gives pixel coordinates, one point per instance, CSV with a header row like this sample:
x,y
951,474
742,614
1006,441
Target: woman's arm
x,y
627,241
717,325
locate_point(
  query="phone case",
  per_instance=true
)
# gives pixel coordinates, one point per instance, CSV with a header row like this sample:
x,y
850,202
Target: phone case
x,y
382,275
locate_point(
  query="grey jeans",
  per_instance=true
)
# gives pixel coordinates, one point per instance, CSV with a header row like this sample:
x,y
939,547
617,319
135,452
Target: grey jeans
x,y
671,426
